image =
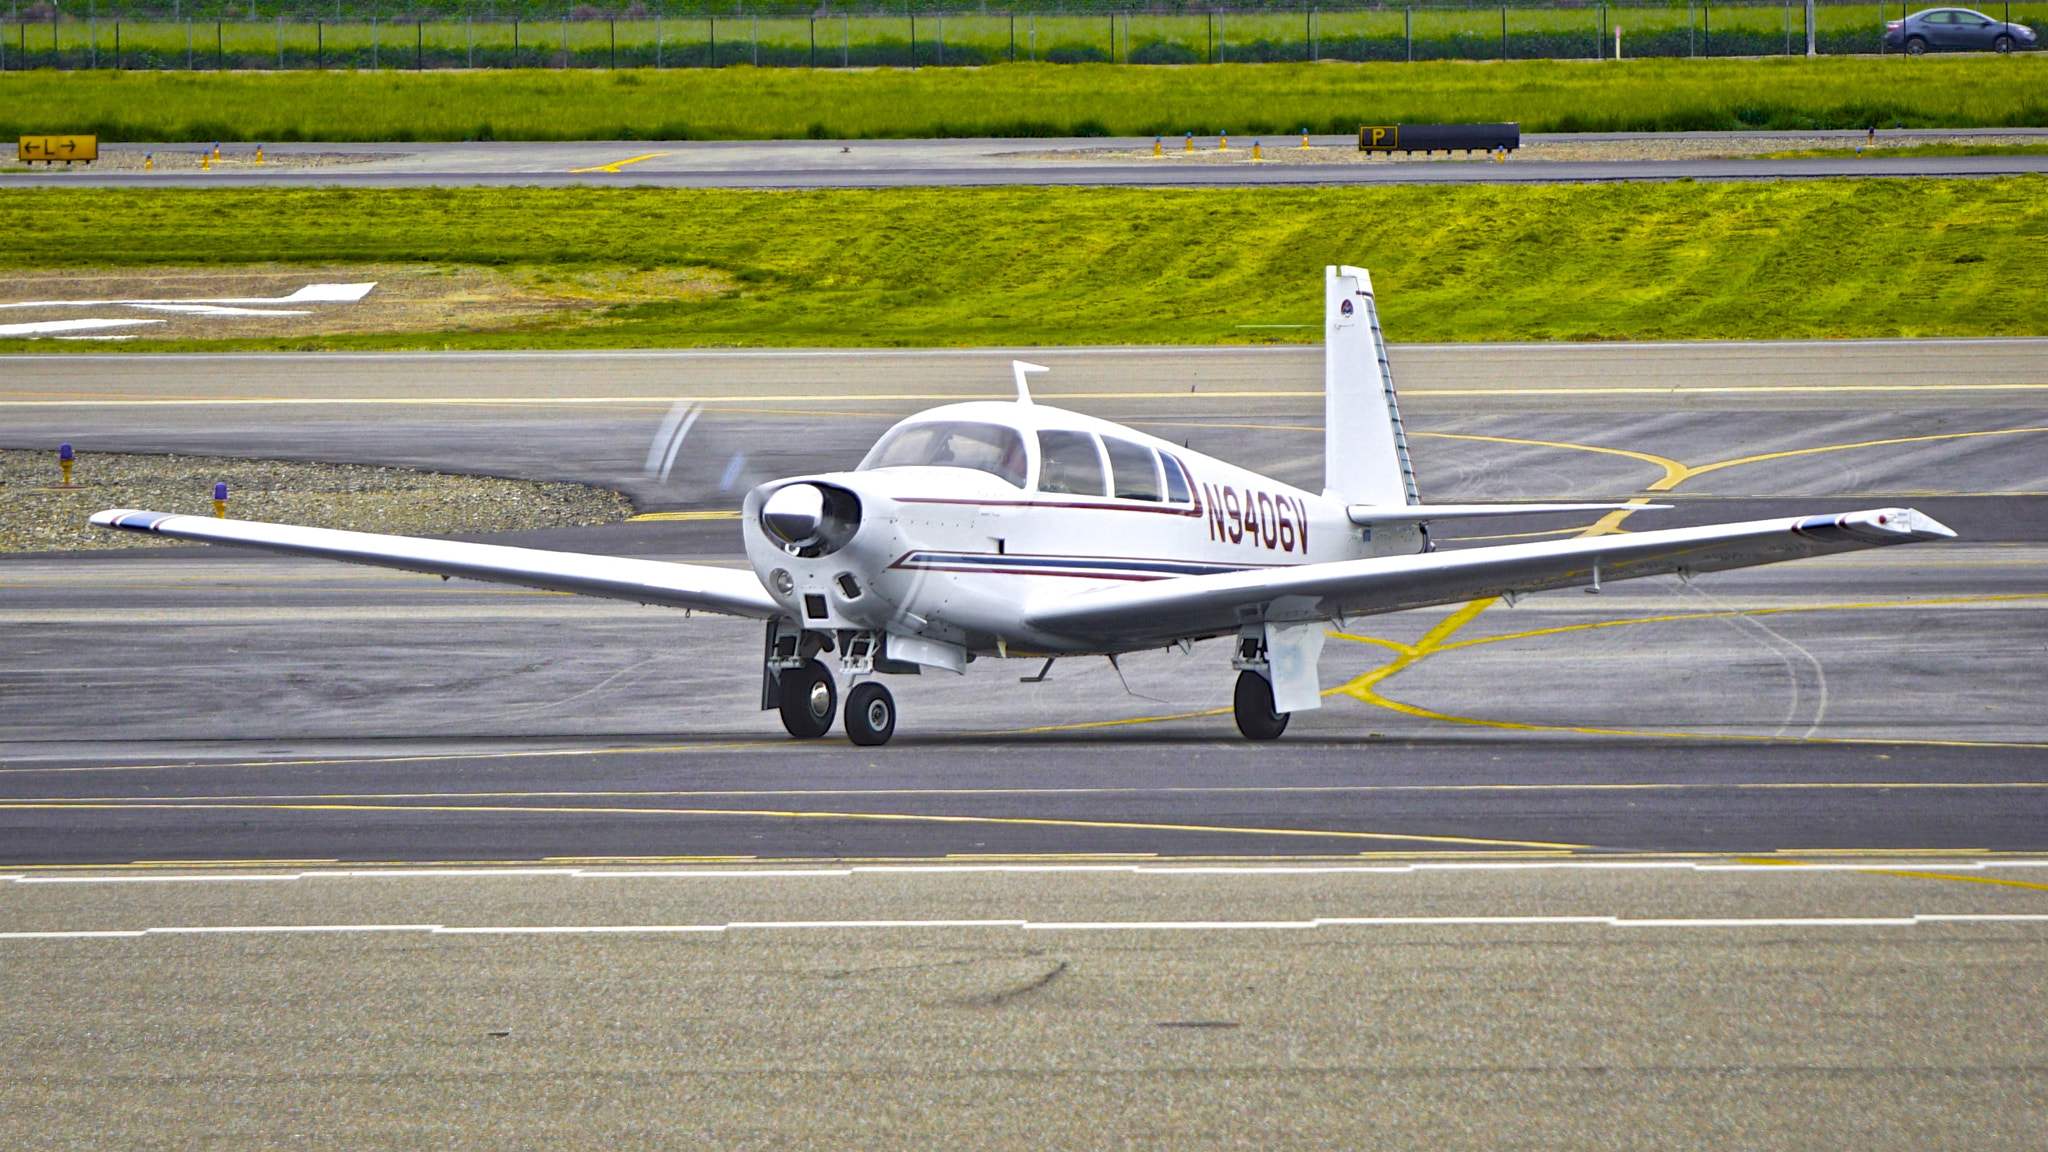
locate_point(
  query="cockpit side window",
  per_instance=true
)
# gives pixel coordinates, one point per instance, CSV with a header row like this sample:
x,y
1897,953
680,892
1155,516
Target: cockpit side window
x,y
1177,488
1134,468
992,448
1069,462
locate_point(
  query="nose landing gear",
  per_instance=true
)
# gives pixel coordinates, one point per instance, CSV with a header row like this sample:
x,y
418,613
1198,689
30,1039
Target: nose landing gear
x,y
870,714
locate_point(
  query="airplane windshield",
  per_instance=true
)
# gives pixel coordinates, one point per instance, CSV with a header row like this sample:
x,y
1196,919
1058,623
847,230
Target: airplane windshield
x,y
990,448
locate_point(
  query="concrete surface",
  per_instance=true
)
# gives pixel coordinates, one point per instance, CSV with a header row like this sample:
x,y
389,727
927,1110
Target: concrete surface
x,y
222,666
1443,912
1635,1004
956,163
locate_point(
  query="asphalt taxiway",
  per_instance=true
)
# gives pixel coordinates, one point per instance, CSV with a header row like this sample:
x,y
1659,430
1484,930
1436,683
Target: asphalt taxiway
x,y
1424,1004
1079,161
194,704
1233,1005
294,853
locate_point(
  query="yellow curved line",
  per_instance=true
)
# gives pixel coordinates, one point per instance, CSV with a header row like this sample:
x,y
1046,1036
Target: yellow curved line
x,y
1674,472
1362,687
1372,697
1731,612
1717,466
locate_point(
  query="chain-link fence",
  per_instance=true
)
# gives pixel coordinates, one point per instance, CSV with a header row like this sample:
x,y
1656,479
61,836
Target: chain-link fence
x,y
256,36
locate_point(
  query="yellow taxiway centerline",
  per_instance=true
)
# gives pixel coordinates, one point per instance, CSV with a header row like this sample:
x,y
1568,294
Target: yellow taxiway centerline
x,y
797,814
615,165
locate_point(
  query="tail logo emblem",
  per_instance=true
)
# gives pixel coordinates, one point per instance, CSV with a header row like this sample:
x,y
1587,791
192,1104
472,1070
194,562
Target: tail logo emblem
x,y
1345,308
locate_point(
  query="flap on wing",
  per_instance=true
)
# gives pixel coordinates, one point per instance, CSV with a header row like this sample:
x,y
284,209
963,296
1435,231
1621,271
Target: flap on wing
x,y
1423,513
726,590
1166,610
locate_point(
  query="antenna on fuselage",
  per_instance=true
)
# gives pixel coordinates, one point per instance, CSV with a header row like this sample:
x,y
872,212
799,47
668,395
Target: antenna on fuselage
x,y
1021,368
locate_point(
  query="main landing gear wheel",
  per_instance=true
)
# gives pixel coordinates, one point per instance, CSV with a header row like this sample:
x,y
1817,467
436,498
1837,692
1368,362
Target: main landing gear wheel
x,y
1254,708
870,714
808,700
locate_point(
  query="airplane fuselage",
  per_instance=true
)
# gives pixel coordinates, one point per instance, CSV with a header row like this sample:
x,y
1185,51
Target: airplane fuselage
x,y
954,554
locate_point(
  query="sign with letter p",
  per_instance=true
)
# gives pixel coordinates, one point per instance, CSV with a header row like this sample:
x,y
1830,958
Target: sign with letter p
x,y
1383,138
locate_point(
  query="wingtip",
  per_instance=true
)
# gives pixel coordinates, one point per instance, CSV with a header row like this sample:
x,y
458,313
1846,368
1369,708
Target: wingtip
x,y
132,519
1927,527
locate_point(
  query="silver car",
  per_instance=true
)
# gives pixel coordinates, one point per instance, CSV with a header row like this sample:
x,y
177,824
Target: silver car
x,y
1955,30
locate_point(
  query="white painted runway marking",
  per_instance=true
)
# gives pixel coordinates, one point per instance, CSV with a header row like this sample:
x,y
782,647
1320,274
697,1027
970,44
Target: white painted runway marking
x,y
1788,868
310,294
1904,921
49,327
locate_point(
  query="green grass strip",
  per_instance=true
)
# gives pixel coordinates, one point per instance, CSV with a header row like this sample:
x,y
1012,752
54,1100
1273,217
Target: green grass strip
x,y
1006,266
1025,100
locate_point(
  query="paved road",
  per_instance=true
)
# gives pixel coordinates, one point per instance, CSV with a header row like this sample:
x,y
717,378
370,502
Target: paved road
x,y
1893,695
1442,913
1867,1005
953,163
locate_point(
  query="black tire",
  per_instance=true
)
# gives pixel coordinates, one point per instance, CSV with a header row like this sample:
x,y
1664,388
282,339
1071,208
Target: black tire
x,y
1915,46
1253,706
808,700
870,714
2002,45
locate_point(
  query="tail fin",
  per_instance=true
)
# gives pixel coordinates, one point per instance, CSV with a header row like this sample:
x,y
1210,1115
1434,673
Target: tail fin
x,y
1365,450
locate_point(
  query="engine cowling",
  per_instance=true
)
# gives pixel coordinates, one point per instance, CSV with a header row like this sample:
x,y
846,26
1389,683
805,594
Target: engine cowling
x,y
810,519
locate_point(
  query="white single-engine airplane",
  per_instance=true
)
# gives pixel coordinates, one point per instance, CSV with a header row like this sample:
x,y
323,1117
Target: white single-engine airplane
x,y
1019,529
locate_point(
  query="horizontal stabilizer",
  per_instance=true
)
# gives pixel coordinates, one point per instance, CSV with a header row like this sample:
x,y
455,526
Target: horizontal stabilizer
x,y
729,591
1423,513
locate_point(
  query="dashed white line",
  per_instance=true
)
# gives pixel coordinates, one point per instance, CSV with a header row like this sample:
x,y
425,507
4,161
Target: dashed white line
x,y
565,930
1789,867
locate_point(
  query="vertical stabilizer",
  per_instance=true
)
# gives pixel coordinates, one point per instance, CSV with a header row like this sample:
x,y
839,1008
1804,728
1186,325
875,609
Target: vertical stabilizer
x,y
1365,450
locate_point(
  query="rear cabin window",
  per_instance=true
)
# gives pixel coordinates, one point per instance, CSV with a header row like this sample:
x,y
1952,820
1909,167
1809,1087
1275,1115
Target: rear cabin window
x,y
1133,467
1177,489
991,448
1068,462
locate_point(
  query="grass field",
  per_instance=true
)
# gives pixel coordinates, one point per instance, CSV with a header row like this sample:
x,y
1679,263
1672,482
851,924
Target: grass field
x,y
1108,266
897,39
1025,100
303,39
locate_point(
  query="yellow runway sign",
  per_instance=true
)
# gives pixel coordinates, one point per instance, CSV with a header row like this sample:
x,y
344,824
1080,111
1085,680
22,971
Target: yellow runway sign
x,y
50,149
1384,138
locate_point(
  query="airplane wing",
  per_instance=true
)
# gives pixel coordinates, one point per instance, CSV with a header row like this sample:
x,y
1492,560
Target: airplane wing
x,y
1427,513
732,592
1189,606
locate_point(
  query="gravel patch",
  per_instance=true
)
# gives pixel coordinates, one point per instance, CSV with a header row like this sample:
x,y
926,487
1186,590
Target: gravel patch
x,y
233,157
35,516
1288,150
